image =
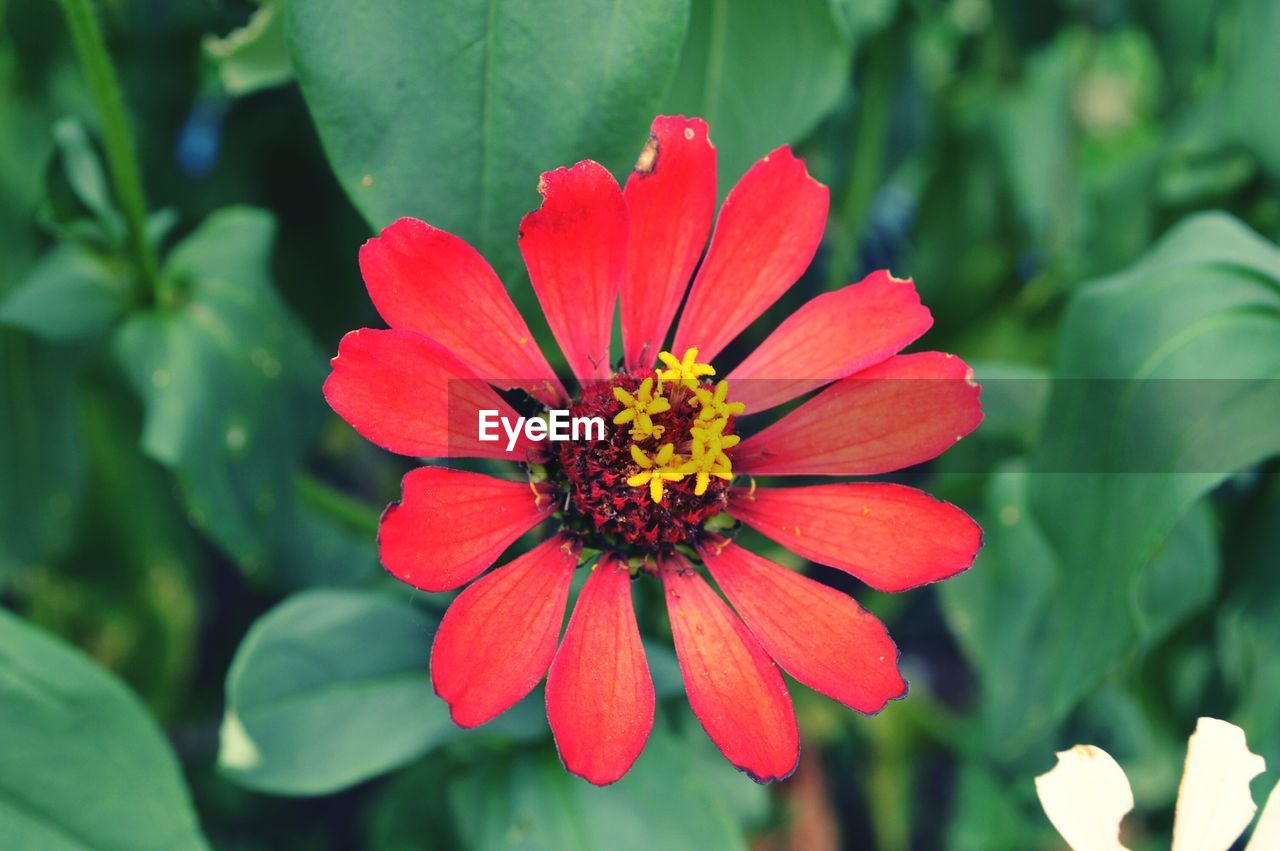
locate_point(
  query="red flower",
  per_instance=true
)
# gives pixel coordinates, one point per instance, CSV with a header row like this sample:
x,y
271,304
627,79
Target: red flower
x,y
650,494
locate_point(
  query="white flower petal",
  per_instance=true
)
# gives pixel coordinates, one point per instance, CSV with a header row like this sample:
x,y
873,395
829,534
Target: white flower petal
x,y
1214,804
1085,796
1266,834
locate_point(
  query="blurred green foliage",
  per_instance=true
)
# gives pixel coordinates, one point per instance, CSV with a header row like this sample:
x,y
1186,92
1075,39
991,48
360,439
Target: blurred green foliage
x,y
176,501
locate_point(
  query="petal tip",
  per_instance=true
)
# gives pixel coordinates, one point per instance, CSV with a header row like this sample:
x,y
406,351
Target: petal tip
x,y
776,777
786,155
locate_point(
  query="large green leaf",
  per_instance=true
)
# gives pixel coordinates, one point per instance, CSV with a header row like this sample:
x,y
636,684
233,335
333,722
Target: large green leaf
x,y
674,797
1166,383
82,765
231,386
328,689
761,73
450,110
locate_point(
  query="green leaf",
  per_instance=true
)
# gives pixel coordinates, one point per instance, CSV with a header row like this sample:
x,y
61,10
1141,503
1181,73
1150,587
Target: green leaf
x,y
84,766
71,294
1181,578
1178,359
252,57
761,73
995,609
78,204
41,453
531,802
328,689
449,111
231,386
83,169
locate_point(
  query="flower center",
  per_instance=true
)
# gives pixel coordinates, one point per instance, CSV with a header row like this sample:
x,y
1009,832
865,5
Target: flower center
x,y
664,467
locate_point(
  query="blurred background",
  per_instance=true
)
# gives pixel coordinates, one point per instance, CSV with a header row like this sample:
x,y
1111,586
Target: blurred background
x,y
197,645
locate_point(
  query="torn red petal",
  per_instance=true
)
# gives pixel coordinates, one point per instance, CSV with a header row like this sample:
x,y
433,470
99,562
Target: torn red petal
x,y
766,235
903,411
599,692
734,688
410,395
498,637
671,199
890,536
451,525
427,280
831,337
575,247
818,635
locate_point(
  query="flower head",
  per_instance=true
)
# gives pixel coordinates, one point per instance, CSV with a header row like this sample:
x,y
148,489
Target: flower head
x,y
660,496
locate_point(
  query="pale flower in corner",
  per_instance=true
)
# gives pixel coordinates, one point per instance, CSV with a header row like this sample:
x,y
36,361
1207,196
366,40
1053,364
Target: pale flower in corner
x,y
1087,794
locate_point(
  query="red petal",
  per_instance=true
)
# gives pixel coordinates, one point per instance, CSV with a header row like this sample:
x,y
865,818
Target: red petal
x,y
450,525
599,692
426,280
890,536
409,394
904,411
733,686
768,231
671,198
818,635
833,336
497,638
575,247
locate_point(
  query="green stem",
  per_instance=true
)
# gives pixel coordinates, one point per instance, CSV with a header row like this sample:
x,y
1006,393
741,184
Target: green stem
x,y
122,154
870,137
337,505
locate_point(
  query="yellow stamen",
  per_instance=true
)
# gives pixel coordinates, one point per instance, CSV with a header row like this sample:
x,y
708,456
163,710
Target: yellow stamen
x,y
707,442
664,466
714,404
685,372
640,410
637,455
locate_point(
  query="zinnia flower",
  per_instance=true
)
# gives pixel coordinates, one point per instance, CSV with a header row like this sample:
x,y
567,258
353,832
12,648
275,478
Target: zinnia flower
x,y
1087,794
652,497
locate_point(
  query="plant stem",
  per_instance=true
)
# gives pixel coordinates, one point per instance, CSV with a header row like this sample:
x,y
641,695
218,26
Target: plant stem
x,y
122,154
347,510
870,138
